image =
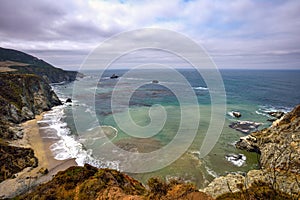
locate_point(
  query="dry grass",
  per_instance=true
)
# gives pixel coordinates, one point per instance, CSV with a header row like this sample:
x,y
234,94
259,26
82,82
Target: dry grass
x,y
5,66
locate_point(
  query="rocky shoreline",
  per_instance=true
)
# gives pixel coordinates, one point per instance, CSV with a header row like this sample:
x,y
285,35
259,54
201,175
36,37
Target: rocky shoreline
x,y
279,150
25,93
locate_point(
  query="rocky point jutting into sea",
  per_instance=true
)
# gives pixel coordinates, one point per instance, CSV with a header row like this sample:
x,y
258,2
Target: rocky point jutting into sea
x,y
279,149
25,92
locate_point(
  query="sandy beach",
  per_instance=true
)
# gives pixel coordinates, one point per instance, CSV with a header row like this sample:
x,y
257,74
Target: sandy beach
x,y
35,138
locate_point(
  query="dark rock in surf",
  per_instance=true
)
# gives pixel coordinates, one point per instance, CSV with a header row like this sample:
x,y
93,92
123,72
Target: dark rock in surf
x,y
69,100
155,81
277,114
236,114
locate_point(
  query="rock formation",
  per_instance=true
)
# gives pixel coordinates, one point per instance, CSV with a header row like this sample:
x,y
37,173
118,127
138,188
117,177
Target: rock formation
x,y
24,93
91,183
279,173
278,145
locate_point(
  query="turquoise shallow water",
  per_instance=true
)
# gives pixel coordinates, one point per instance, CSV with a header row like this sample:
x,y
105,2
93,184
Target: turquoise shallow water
x,y
253,93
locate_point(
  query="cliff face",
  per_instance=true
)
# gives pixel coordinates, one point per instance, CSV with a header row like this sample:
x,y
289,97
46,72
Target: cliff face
x,y
24,93
21,98
20,62
279,173
278,145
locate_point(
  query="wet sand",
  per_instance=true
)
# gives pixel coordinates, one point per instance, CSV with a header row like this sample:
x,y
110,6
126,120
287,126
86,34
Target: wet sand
x,y
34,137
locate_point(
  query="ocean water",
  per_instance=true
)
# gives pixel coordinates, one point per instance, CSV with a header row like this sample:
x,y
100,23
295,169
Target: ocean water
x,y
156,110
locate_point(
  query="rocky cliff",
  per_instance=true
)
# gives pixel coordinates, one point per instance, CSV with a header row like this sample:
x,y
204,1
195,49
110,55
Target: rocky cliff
x,y
24,93
279,173
91,183
22,96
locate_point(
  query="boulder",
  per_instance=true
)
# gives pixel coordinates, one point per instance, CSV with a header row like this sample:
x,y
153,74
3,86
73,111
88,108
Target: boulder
x,y
44,171
236,114
69,100
225,184
248,143
277,114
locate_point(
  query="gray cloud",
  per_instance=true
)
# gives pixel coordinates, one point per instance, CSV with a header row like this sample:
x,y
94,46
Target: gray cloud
x,y
232,31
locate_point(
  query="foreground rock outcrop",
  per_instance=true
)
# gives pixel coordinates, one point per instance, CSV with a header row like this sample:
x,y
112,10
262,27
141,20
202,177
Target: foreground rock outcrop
x,y
91,183
279,173
279,149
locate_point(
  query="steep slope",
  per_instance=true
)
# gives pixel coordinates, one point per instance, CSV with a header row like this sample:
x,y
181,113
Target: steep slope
x,y
27,64
24,93
91,183
279,173
22,96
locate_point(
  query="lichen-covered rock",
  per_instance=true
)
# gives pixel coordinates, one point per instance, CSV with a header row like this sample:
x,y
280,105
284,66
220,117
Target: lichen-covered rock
x,y
225,184
279,146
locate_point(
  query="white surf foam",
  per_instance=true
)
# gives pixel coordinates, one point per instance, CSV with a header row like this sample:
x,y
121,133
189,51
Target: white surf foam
x,y
200,88
68,146
236,159
211,172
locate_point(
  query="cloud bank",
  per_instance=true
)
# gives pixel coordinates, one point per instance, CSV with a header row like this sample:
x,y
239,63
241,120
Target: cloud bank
x,y
237,34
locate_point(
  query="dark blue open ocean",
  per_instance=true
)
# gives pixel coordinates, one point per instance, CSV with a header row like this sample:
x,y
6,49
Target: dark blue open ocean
x,y
253,93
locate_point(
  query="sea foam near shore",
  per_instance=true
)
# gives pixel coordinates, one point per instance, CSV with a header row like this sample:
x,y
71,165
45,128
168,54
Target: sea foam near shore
x,y
65,144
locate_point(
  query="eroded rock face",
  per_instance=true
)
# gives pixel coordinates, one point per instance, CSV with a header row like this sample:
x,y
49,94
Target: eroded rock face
x,y
279,146
21,98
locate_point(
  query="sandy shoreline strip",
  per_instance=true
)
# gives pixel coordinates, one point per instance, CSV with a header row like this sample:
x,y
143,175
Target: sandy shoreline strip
x,y
35,138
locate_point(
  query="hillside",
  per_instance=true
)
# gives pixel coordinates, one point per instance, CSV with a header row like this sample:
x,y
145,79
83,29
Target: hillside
x,y
91,183
14,61
24,93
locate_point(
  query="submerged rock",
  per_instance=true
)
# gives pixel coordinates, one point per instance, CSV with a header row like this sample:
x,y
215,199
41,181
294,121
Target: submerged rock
x,y
69,100
245,126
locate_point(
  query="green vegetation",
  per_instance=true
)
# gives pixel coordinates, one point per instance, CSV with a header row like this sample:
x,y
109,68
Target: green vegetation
x,y
36,66
15,159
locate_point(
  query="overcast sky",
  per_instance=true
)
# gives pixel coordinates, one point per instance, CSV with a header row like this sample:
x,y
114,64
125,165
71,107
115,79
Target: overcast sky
x,y
236,34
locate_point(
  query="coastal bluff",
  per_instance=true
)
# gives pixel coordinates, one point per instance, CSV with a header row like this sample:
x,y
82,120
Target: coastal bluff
x,y
279,163
25,92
